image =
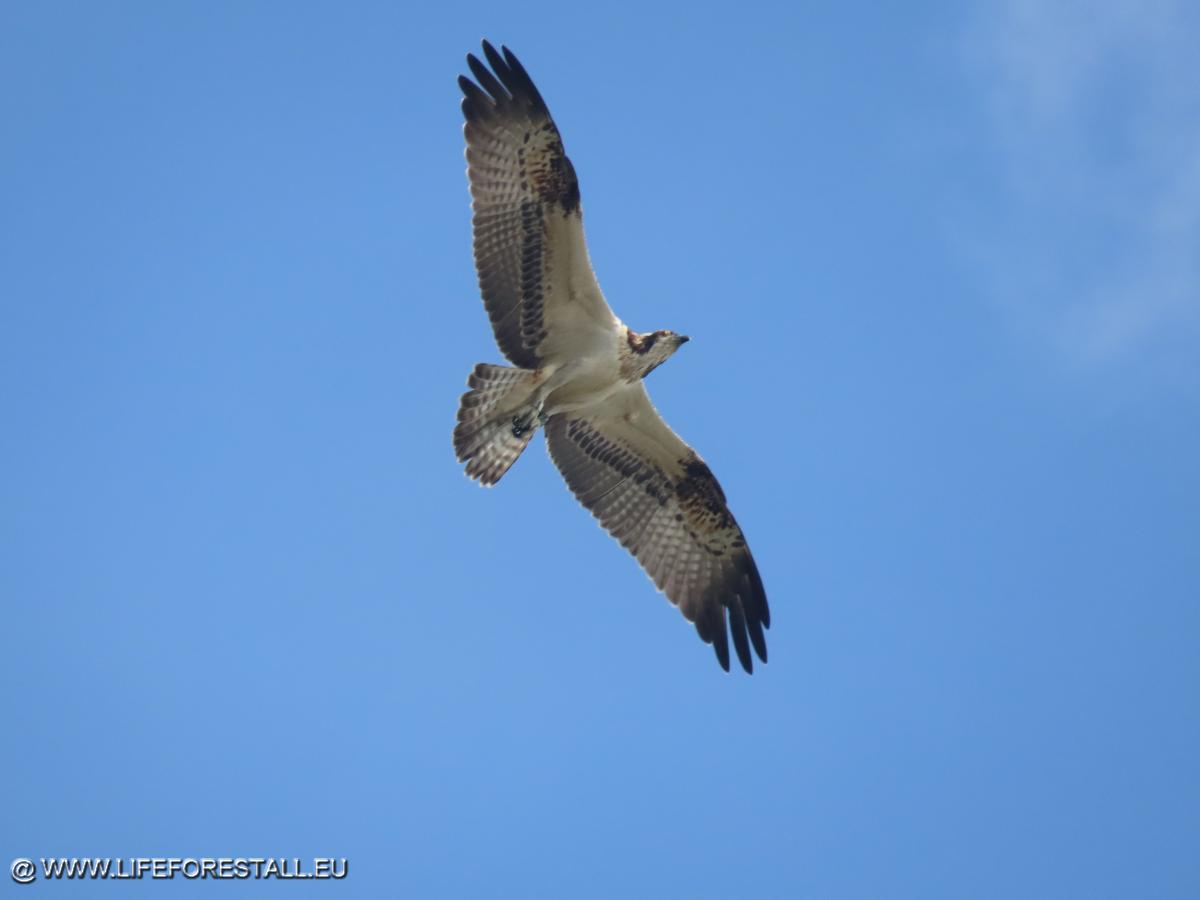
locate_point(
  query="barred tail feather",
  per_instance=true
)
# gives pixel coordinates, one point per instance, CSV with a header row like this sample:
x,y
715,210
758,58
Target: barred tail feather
x,y
483,437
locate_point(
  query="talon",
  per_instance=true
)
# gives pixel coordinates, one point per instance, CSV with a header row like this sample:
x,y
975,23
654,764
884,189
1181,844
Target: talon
x,y
519,427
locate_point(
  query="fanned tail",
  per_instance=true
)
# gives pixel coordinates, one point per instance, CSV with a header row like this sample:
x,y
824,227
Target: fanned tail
x,y
483,437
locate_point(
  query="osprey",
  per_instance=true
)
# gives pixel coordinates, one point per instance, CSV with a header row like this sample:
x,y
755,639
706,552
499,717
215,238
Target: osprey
x,y
579,369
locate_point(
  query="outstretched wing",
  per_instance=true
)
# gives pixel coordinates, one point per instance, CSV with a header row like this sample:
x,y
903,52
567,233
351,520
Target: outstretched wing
x,y
534,273
655,495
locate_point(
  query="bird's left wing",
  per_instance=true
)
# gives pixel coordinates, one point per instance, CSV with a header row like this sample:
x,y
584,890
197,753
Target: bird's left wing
x,y
655,495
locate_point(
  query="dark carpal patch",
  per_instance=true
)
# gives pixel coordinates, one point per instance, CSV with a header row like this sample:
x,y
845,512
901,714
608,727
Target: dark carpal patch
x,y
551,172
701,482
703,503
565,182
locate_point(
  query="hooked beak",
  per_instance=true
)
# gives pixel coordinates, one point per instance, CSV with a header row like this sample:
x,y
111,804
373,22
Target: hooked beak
x,y
683,338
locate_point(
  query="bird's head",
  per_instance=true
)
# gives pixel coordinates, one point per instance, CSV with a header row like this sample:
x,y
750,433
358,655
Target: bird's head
x,y
650,350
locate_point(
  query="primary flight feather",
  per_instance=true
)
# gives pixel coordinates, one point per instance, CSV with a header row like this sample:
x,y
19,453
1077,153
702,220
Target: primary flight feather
x,y
579,369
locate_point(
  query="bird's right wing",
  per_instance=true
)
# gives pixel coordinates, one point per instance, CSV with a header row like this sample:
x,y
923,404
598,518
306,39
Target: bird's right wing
x,y
530,253
655,495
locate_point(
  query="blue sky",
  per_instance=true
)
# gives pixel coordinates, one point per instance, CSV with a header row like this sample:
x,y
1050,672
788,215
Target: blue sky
x,y
939,267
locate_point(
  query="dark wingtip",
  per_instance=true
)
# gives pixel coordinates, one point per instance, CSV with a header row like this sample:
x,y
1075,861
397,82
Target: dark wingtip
x,y
476,105
495,60
723,661
757,638
513,76
753,601
737,626
721,646
760,592
487,80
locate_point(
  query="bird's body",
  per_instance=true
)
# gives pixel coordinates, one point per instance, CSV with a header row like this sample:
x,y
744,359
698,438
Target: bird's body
x,y
579,370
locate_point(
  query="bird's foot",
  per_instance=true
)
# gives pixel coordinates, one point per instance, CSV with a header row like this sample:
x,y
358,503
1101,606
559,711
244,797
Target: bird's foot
x,y
529,420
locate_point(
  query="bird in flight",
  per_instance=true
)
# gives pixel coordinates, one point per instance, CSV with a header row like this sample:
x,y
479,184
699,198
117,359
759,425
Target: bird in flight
x,y
578,371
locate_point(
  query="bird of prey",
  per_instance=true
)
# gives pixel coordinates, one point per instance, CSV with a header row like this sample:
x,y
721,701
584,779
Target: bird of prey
x,y
578,371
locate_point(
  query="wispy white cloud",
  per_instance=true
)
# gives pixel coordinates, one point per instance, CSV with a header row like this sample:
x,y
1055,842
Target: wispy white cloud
x,y
1095,112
